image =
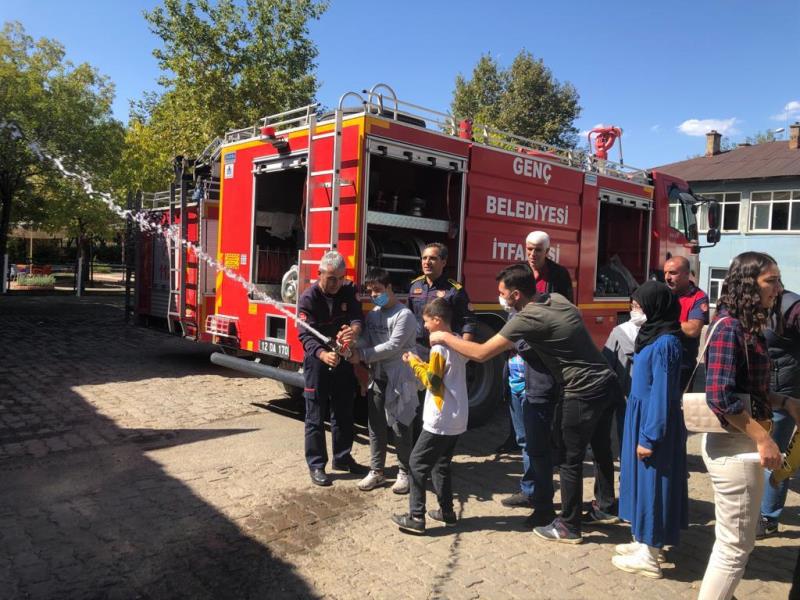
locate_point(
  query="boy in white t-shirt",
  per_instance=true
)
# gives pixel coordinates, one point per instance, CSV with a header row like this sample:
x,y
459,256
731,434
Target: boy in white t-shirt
x,y
444,419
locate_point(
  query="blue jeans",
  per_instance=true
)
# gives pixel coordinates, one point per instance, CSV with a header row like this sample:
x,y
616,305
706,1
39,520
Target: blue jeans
x,y
532,426
774,498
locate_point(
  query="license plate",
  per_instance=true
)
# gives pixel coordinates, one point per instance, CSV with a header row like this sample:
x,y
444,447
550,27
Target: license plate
x,y
273,348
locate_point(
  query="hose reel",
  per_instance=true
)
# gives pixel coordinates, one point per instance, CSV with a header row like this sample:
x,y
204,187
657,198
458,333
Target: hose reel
x,y
398,253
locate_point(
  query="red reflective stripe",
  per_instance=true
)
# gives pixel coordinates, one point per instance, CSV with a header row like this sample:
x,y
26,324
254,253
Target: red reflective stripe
x,y
309,389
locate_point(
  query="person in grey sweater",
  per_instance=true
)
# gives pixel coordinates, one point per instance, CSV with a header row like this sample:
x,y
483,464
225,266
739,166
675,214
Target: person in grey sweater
x,y
390,330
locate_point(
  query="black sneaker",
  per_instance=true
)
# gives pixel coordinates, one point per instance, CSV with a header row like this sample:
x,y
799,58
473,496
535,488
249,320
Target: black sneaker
x,y
351,467
558,531
766,528
518,500
448,517
598,517
409,524
540,518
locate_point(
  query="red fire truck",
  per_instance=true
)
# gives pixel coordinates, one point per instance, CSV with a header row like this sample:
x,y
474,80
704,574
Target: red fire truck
x,y
376,179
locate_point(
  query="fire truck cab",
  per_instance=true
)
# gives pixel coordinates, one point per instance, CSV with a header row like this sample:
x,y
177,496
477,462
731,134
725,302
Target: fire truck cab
x,y
379,178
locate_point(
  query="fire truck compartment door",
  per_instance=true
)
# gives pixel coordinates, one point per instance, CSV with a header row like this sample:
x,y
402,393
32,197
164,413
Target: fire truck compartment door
x,y
417,155
210,228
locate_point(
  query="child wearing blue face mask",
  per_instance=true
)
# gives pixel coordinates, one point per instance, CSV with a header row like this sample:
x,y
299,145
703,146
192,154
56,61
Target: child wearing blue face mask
x,y
390,330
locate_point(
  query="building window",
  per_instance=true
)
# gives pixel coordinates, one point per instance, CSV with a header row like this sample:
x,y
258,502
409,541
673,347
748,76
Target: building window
x,y
775,211
729,203
715,278
677,219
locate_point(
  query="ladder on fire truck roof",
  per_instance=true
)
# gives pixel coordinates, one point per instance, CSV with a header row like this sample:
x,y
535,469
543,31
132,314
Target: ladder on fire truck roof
x,y
178,255
325,178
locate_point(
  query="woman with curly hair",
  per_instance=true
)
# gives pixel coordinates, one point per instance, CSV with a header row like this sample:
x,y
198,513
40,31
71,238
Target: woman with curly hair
x,y
737,363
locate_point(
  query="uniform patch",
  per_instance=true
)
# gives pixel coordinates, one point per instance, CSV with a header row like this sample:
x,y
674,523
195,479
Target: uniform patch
x,y
441,294
417,291
343,307
704,307
302,316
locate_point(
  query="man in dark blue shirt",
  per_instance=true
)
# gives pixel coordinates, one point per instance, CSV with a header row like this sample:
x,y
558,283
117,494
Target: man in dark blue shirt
x,y
430,285
331,307
433,284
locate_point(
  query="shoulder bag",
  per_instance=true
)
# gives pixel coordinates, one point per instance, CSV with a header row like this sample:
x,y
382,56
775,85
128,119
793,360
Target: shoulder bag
x,y
697,416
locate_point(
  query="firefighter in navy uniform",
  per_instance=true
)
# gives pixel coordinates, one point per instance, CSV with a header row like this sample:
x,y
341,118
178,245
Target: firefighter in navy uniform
x,y
331,307
432,284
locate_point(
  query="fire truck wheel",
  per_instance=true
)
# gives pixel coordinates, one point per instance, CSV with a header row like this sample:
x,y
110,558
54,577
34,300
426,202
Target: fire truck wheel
x,y
294,393
484,383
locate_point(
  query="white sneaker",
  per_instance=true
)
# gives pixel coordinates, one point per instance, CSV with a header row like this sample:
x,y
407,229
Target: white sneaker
x,y
642,562
633,548
401,484
373,480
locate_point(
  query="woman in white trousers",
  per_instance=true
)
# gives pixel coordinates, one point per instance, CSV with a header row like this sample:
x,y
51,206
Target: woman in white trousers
x,y
737,363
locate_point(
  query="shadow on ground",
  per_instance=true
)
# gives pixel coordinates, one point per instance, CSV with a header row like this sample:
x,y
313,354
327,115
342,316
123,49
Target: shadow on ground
x,y
106,521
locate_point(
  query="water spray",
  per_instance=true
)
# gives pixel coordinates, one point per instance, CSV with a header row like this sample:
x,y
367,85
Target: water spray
x,y
172,233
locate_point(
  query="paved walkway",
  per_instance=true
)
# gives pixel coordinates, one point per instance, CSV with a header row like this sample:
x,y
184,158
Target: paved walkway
x,y
133,468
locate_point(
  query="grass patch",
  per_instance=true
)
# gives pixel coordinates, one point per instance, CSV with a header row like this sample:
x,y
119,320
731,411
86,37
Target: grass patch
x,y
36,280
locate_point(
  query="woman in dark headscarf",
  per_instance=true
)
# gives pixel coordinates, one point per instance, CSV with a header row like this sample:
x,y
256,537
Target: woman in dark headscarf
x,y
654,495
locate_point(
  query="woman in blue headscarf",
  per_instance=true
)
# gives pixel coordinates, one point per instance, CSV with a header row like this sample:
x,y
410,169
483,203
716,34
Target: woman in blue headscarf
x,y
654,495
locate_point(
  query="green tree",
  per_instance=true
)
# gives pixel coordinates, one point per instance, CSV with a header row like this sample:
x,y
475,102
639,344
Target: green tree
x,y
226,64
524,99
761,137
727,144
52,107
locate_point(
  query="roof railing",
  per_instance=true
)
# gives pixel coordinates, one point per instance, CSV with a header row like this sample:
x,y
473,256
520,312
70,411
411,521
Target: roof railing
x,y
572,157
210,153
376,103
204,190
382,100
288,119
155,200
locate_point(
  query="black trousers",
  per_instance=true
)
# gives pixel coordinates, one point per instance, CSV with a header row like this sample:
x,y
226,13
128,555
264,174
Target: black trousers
x,y
327,390
584,420
794,593
431,456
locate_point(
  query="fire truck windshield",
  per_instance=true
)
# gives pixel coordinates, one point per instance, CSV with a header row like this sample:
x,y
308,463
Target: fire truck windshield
x,y
682,213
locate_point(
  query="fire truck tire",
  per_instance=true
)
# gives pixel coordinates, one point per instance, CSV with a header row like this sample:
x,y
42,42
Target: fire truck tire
x,y
485,383
294,393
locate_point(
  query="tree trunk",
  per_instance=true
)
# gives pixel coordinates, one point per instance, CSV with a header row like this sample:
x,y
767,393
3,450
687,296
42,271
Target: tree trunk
x,y
5,220
85,254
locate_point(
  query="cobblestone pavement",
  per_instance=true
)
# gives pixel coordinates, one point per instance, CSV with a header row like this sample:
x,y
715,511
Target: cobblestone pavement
x,y
131,467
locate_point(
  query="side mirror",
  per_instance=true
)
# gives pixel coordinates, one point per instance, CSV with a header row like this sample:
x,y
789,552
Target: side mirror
x,y
713,214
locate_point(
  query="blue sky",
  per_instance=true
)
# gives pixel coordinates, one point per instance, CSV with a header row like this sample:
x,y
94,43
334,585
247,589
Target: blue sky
x,y
664,72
